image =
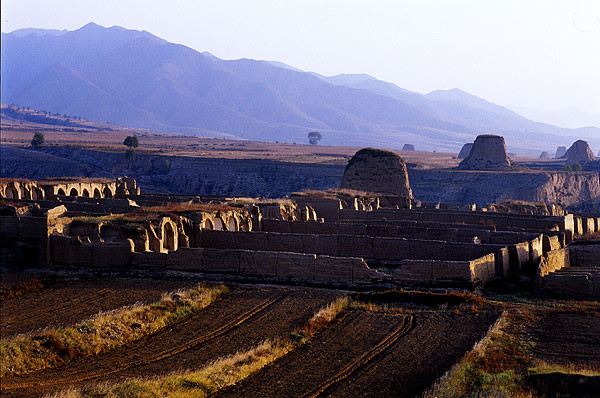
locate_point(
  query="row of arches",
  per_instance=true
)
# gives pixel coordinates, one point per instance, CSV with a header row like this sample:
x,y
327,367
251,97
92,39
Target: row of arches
x,y
23,192
106,193
33,192
226,224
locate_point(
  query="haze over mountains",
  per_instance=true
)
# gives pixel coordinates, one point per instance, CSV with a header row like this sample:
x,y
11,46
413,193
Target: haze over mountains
x,y
134,78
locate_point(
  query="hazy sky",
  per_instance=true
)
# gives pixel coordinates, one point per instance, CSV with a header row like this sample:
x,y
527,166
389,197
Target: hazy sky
x,y
538,54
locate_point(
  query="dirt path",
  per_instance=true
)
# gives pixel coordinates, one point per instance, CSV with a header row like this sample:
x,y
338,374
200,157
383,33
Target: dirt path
x,y
238,321
568,339
370,354
73,302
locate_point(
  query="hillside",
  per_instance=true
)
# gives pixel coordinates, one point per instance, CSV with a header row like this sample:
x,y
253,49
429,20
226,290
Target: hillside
x,y
136,79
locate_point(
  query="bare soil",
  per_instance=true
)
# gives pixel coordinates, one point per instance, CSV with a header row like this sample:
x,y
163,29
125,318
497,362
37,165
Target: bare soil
x,y
237,321
66,304
568,339
370,354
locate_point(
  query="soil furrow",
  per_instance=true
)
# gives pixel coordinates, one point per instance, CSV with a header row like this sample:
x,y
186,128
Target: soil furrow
x,y
237,321
305,371
370,354
422,356
568,339
407,325
77,301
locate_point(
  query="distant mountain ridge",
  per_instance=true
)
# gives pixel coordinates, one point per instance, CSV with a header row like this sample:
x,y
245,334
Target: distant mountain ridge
x,y
136,79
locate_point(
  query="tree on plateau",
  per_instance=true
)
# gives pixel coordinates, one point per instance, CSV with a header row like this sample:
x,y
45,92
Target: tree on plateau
x,y
314,137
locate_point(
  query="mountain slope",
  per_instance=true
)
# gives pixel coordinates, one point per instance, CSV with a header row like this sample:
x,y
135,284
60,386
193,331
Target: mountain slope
x,y
136,79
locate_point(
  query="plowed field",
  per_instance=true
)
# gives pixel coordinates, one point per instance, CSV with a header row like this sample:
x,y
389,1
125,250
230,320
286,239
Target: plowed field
x,y
237,321
67,304
370,354
569,339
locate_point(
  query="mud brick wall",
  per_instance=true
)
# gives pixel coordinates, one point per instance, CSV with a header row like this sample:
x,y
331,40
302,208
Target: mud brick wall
x,y
66,250
519,256
578,226
535,249
24,241
585,255
502,265
436,231
589,225
553,261
279,265
378,249
484,268
328,209
432,271
550,243
573,284
499,220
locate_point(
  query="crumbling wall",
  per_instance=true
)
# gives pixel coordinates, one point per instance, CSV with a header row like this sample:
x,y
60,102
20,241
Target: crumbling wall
x,y
279,265
585,255
499,220
24,234
475,271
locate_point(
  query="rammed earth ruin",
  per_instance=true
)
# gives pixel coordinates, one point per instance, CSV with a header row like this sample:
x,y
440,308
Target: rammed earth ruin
x,y
370,233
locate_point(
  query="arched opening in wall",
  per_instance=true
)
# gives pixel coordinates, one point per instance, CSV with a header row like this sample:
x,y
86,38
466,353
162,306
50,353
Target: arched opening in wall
x,y
207,224
218,224
107,192
11,193
85,193
73,192
232,224
97,193
61,192
37,194
169,237
245,225
25,193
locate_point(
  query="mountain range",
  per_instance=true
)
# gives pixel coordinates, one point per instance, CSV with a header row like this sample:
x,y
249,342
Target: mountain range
x,y
133,78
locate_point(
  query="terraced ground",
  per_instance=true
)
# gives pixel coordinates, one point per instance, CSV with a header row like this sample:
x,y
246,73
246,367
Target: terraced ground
x,y
68,303
370,354
237,321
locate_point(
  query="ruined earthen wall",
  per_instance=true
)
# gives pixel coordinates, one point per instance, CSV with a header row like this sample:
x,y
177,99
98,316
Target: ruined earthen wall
x,y
585,255
378,249
328,209
553,261
564,223
71,251
573,284
435,231
279,265
24,239
479,270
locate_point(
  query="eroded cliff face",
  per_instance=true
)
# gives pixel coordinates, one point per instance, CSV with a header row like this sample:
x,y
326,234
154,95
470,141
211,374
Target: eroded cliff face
x,y
202,176
569,189
564,188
